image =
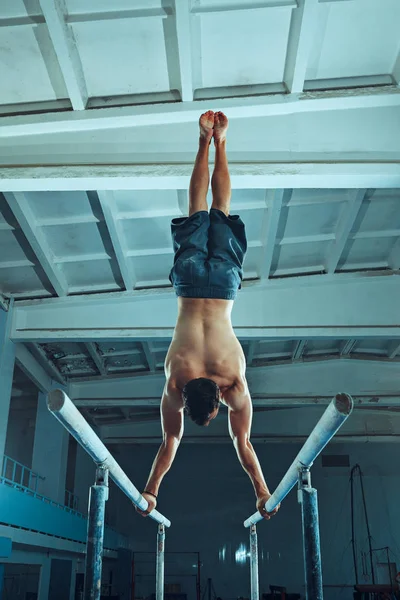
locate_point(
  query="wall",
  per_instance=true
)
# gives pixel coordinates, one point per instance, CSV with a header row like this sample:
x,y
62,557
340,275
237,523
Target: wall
x,y
20,436
207,496
85,472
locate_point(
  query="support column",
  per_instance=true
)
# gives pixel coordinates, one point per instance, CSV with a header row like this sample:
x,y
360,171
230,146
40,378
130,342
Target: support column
x,y
7,358
1,580
95,535
254,587
73,580
50,452
44,579
160,563
311,546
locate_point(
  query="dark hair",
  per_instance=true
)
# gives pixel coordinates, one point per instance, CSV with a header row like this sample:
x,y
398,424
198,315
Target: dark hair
x,y
201,398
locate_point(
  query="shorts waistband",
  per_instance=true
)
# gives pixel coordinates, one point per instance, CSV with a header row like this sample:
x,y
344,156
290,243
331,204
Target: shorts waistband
x,y
201,292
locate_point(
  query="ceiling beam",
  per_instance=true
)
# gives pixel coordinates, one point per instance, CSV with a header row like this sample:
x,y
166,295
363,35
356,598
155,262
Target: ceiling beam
x,y
4,302
129,13
299,349
346,221
274,309
32,369
394,257
269,229
183,203
249,5
188,112
37,351
301,34
394,350
96,358
396,69
22,211
108,206
250,352
348,347
183,32
62,37
176,176
150,358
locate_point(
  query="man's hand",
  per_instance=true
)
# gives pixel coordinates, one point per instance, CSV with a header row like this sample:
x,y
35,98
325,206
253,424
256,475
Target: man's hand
x,y
261,500
152,504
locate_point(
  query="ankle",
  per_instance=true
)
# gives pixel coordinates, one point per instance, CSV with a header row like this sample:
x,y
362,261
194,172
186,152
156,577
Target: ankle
x,y
205,139
220,143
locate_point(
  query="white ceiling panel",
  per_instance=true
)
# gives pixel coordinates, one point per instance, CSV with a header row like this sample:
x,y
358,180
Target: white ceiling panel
x,y
74,239
152,268
317,196
372,346
253,220
29,68
301,258
131,55
62,206
150,202
100,6
22,280
364,253
10,248
146,234
380,213
307,220
251,265
243,47
92,274
354,39
19,8
314,347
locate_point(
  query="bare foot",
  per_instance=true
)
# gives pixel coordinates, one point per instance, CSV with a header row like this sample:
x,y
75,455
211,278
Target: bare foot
x,y
206,123
220,127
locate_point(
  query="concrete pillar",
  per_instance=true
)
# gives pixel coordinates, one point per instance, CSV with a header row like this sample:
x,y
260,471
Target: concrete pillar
x,y
7,359
1,580
73,580
50,452
44,579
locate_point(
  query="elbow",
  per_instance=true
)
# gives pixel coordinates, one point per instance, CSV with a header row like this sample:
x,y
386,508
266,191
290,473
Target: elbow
x,y
172,441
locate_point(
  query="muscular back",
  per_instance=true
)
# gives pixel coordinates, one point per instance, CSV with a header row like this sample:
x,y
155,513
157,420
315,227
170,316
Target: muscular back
x,y
204,344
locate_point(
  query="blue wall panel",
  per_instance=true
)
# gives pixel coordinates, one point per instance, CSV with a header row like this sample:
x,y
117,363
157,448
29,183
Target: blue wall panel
x,y
21,509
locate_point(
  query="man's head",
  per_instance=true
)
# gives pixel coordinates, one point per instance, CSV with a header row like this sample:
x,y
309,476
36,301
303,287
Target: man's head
x,y
201,399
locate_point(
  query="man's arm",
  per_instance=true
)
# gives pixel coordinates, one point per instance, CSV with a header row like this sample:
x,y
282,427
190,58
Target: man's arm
x,y
240,419
172,427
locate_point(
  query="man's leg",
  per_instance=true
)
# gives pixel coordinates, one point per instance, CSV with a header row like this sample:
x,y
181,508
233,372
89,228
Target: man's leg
x,y
201,176
221,181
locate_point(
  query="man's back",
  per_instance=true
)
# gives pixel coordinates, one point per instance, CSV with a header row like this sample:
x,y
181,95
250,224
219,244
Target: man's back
x,y
204,344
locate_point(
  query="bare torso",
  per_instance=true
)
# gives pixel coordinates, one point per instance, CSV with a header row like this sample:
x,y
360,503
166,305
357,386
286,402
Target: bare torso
x,y
204,345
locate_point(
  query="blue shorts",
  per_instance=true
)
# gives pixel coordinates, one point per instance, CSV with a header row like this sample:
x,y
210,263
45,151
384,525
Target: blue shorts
x,y
209,252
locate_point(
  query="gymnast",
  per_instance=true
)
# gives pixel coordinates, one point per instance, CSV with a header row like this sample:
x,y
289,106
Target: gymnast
x,y
205,365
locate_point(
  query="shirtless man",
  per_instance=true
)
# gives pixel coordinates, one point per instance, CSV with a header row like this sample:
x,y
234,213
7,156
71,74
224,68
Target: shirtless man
x,y
205,364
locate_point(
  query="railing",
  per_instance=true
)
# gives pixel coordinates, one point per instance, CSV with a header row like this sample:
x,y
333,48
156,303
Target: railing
x,y
44,499
71,500
17,474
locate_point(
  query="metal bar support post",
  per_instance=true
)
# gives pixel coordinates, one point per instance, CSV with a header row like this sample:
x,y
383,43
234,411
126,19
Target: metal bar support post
x,y
95,535
255,593
160,562
307,497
